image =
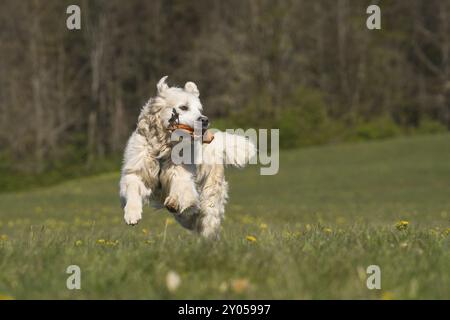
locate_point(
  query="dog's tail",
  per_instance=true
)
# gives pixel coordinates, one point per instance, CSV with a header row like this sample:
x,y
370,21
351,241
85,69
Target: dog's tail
x,y
229,149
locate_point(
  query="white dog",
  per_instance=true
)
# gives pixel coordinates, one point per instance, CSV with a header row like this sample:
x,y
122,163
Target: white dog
x,y
195,193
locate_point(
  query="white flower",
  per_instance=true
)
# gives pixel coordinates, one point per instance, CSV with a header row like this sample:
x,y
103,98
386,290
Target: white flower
x,y
173,281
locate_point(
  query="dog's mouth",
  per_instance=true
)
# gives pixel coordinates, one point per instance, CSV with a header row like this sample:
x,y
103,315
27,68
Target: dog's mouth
x,y
174,124
181,126
207,136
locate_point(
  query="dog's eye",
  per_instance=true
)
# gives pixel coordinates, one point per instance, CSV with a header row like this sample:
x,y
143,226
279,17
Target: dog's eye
x,y
184,108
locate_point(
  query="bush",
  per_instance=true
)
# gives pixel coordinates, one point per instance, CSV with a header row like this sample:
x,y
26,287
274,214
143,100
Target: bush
x,y
258,113
380,128
304,120
429,126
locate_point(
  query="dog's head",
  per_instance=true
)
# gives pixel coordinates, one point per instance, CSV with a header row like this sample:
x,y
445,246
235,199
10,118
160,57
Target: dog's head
x,y
181,105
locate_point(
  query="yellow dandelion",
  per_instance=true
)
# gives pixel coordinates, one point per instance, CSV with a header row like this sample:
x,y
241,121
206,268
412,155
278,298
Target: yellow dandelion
x,y
78,243
112,243
101,241
240,285
5,297
263,226
251,238
327,230
402,225
291,234
387,295
223,287
3,237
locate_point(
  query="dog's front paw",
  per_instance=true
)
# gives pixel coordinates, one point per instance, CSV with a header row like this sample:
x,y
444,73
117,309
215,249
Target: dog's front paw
x,y
133,213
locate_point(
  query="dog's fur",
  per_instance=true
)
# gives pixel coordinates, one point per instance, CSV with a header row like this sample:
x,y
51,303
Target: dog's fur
x,y
195,194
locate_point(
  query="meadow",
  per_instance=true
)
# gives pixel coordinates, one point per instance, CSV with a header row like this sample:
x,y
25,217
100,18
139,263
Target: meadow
x,y
308,232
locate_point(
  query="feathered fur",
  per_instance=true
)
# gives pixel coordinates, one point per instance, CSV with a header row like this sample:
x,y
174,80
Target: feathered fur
x,y
196,194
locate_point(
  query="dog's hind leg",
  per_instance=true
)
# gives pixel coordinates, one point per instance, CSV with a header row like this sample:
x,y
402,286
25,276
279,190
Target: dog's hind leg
x,y
213,197
182,199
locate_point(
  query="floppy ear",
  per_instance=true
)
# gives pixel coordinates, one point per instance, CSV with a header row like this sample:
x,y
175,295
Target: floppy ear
x,y
162,85
191,88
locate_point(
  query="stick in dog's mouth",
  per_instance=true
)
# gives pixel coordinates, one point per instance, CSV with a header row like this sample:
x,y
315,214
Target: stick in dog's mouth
x,y
174,124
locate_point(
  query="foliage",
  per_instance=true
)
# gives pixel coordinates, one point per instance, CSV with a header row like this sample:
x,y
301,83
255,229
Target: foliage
x,y
429,126
304,66
304,120
70,99
379,128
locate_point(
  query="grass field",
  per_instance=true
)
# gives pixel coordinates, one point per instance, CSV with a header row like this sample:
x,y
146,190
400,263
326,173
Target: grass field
x,y
307,233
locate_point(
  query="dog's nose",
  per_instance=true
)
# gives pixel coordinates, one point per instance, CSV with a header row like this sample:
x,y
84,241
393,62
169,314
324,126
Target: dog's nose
x,y
204,120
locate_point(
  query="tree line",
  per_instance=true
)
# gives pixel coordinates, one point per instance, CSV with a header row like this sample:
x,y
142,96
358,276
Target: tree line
x,y
311,68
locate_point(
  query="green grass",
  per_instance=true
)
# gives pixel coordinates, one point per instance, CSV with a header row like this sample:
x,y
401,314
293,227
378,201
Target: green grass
x,y
318,224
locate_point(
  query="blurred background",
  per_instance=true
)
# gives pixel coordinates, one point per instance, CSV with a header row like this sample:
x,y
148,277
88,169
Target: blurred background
x,y
69,99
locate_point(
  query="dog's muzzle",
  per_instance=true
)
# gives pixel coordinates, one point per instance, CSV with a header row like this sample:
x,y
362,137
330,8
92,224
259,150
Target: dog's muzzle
x,y
205,122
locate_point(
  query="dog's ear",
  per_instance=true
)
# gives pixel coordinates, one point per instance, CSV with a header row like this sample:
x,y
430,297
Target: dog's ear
x,y
191,88
162,85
